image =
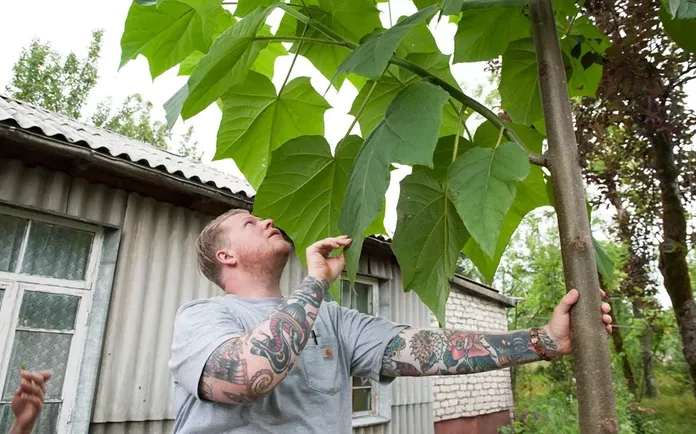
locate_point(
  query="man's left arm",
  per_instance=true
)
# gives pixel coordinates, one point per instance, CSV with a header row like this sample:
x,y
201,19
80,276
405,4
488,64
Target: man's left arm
x,y
418,352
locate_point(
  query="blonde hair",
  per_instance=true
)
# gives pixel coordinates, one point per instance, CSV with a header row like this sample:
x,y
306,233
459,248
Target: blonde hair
x,y
210,240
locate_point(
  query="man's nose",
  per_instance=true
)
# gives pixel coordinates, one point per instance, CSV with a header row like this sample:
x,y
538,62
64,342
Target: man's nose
x,y
268,223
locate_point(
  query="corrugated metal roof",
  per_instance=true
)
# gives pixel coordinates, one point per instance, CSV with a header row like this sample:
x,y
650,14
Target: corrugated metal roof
x,y
61,127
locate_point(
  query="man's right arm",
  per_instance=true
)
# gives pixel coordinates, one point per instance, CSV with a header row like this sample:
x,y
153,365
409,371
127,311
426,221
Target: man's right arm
x,y
248,367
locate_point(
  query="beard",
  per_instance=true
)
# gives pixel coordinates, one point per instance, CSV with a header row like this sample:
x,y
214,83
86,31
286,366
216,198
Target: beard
x,y
266,260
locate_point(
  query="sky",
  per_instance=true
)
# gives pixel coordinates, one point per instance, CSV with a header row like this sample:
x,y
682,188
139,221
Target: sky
x,y
68,26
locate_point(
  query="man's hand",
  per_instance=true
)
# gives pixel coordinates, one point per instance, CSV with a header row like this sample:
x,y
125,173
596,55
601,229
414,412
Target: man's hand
x,y
320,264
28,401
558,329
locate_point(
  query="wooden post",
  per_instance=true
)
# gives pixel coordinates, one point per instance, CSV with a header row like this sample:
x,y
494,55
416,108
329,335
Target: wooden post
x,y
596,401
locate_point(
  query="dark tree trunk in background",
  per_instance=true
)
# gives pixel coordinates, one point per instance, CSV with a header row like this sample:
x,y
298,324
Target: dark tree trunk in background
x,y
634,288
617,340
673,249
648,387
596,401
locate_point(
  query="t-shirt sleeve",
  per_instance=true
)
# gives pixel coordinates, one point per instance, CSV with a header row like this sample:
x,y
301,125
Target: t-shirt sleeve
x,y
365,338
199,328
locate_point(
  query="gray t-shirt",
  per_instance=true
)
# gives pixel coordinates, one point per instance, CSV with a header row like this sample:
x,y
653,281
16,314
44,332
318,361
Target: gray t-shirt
x,y
315,397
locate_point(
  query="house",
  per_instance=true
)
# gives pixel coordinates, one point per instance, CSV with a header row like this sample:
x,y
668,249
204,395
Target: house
x,y
96,255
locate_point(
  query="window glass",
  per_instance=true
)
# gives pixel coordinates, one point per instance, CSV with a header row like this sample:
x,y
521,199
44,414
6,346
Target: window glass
x,y
56,251
11,237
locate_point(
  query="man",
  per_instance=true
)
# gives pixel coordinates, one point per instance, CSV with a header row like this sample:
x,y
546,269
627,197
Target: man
x,y
28,400
252,361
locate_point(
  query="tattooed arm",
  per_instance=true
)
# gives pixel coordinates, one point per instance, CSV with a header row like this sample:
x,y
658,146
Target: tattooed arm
x,y
248,367
416,352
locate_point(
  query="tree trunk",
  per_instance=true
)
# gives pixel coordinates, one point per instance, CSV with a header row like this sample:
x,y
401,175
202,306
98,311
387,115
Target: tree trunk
x,y
673,249
596,401
648,388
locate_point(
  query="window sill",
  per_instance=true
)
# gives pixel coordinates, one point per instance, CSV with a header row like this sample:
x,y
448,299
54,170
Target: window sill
x,y
366,420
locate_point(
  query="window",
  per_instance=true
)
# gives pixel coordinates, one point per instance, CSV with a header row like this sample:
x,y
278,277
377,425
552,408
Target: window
x,y
363,298
46,274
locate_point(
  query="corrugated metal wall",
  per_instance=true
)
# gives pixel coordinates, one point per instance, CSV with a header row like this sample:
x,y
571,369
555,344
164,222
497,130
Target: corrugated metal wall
x,y
156,274
60,193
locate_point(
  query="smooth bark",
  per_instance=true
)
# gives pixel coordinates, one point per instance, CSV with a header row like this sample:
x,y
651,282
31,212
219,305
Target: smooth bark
x,y
596,401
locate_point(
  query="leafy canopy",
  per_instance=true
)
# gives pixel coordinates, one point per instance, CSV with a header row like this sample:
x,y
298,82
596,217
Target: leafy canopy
x,y
464,195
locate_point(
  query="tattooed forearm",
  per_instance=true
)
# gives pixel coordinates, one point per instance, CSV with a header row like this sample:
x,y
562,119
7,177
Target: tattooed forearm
x,y
416,352
248,367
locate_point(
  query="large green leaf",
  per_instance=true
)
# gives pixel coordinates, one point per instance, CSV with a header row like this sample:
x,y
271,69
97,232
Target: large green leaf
x,y
418,40
264,63
519,84
304,188
484,34
227,63
352,19
442,157
166,33
429,235
396,80
408,135
584,48
681,9
482,183
256,121
531,194
605,265
371,58
172,107
680,30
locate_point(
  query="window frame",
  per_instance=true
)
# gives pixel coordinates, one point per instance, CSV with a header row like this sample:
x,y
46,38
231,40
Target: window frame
x,y
381,408
16,284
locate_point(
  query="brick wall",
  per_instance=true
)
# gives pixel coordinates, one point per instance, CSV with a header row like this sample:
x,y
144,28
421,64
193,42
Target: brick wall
x,y
476,394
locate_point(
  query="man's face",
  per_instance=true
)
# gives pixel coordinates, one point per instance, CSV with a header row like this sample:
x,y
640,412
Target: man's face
x,y
254,242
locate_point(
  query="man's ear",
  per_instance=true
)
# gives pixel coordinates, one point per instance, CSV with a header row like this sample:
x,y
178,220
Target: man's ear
x,y
225,256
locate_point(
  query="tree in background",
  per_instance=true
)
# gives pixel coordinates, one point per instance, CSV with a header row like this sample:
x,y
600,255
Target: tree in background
x,y
637,136
41,76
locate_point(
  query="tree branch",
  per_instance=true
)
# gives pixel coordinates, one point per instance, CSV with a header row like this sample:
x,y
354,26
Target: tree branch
x,y
299,39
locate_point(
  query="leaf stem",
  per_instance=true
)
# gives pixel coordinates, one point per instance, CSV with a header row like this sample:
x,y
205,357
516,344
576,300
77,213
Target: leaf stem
x,y
500,137
459,132
457,94
299,39
360,110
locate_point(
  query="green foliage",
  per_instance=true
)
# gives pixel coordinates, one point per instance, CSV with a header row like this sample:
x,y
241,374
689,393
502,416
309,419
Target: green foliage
x,y
42,77
370,59
483,182
484,34
429,225
166,33
531,194
227,63
681,30
406,136
62,84
306,204
133,119
519,84
352,20
408,110
256,121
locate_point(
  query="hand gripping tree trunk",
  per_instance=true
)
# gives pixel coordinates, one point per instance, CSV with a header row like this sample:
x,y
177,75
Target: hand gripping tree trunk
x,y
596,402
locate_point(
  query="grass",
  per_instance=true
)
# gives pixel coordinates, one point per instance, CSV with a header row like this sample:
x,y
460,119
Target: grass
x,y
675,407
